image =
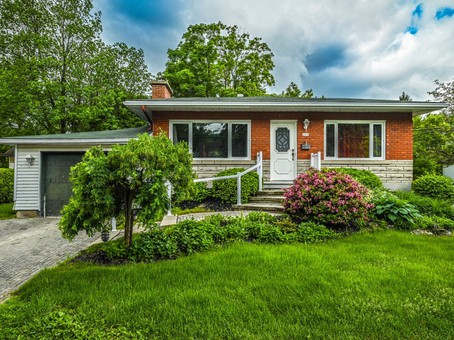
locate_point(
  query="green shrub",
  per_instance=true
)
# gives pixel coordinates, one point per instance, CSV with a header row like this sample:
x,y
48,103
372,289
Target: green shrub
x,y
427,205
434,186
395,210
264,233
6,185
310,232
327,197
230,230
192,236
198,192
365,177
425,166
153,245
226,190
434,223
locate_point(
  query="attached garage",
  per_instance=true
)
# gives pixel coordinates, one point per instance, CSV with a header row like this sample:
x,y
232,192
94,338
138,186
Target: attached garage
x,y
43,163
56,187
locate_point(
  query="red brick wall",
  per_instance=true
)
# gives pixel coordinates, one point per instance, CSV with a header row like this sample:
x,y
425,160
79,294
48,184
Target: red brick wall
x,y
399,129
160,90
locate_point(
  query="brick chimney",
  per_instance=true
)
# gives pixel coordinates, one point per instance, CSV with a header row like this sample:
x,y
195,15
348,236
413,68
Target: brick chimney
x,y
160,89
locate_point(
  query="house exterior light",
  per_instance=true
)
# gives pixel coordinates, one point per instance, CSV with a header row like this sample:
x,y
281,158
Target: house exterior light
x,y
30,159
306,123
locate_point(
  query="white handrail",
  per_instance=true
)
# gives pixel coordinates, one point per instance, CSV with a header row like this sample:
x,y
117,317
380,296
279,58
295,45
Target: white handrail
x,y
258,166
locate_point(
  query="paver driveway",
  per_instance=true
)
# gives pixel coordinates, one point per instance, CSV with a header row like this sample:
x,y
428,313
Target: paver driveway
x,y
29,245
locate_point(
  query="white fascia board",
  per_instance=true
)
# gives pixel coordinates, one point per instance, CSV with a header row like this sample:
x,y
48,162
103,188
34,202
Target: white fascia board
x,y
41,141
416,108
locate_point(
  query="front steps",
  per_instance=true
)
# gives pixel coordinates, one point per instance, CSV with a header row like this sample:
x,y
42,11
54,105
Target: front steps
x,y
269,200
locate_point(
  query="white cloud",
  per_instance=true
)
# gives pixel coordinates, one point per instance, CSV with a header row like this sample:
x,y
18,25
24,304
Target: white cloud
x,y
372,56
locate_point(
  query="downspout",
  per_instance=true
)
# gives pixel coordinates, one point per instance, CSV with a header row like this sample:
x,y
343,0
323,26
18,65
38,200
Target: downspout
x,y
144,110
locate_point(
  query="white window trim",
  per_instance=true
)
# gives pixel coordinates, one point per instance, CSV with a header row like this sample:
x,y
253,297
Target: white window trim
x,y
371,123
229,140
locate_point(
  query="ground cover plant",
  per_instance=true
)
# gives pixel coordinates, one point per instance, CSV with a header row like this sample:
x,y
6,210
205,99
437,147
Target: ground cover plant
x,y
191,236
6,211
383,285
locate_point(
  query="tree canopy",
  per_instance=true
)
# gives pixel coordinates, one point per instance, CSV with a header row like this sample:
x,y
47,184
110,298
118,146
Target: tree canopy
x,y
129,176
218,60
434,134
56,73
294,91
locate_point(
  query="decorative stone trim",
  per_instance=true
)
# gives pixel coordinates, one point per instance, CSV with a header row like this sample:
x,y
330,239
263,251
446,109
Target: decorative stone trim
x,y
395,175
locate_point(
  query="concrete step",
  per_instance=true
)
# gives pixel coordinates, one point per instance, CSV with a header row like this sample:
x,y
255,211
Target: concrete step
x,y
271,192
277,184
267,207
267,199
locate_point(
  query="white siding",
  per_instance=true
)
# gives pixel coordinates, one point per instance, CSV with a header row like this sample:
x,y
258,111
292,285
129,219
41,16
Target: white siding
x,y
27,179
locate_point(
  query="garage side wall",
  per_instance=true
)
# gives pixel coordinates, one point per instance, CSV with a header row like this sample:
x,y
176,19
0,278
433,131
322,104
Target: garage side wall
x,y
27,182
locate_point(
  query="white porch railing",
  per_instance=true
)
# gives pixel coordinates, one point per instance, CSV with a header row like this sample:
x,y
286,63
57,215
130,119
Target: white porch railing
x,y
316,160
258,167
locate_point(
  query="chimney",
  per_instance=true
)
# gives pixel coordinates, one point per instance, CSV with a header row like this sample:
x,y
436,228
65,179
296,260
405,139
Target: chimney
x,y
160,89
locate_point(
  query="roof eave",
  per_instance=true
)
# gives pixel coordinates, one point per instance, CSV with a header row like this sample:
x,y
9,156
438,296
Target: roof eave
x,y
65,142
157,105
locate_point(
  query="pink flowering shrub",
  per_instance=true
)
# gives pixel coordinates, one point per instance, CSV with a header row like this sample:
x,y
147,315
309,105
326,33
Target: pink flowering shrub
x,y
328,197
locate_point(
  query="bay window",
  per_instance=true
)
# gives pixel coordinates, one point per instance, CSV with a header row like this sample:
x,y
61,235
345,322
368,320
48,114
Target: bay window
x,y
354,140
213,139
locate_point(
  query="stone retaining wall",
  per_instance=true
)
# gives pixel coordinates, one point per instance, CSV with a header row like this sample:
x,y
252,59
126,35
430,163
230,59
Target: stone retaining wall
x,y
395,175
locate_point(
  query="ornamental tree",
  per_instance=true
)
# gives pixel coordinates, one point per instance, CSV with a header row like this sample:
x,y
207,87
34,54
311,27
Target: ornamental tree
x,y
128,181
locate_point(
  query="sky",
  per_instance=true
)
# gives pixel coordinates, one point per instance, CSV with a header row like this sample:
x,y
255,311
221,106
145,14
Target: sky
x,y
340,48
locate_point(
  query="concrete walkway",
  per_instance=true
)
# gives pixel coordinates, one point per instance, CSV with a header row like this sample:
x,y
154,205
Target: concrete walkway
x,y
30,245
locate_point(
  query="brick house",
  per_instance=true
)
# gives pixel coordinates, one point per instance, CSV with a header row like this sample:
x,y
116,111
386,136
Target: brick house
x,y
375,135
229,132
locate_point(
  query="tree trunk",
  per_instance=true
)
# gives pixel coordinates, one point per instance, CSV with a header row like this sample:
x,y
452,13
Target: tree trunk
x,y
129,218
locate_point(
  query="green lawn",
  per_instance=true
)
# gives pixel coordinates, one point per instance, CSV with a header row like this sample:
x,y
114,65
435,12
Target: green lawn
x,y
382,285
6,211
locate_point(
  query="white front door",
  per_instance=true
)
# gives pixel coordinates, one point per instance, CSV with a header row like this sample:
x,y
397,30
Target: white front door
x,y
283,152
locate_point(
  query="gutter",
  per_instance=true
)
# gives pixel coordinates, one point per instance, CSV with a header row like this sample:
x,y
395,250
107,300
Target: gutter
x,y
416,108
25,141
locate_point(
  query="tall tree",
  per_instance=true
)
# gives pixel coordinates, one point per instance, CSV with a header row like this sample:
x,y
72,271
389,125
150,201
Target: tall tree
x,y
216,59
294,91
57,75
444,92
434,134
404,97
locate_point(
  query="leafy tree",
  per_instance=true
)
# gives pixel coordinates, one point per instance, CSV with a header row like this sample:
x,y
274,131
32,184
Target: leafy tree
x,y
294,91
433,143
444,92
404,97
434,134
216,59
130,177
56,74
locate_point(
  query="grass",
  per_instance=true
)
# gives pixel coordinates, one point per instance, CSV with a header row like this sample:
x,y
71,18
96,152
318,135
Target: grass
x,y
6,211
382,285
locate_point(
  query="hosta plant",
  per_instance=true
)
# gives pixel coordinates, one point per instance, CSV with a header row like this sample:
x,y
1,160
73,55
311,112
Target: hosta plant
x,y
328,197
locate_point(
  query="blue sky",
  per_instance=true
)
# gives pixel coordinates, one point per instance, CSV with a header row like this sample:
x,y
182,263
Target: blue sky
x,y
349,48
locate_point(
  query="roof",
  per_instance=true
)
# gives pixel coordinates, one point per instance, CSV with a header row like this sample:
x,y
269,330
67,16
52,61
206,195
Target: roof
x,y
281,104
93,137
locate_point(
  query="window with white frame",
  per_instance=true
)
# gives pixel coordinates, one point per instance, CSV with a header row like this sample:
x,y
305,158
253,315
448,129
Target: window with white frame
x,y
214,139
354,140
